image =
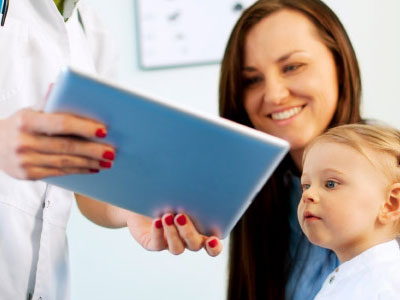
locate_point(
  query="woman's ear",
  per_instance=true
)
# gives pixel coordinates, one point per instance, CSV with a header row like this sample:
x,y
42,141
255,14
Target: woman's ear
x,y
390,211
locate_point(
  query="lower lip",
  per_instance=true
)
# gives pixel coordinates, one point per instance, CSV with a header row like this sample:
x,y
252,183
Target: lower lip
x,y
287,121
311,219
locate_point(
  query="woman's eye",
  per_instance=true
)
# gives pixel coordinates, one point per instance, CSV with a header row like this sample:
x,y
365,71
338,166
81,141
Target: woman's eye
x,y
330,184
251,81
291,68
306,186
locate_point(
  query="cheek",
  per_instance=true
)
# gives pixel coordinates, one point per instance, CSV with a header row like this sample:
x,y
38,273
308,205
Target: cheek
x,y
328,89
349,214
300,209
320,85
248,102
252,105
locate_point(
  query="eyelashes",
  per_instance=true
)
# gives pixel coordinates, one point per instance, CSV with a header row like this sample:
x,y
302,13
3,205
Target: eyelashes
x,y
286,70
251,81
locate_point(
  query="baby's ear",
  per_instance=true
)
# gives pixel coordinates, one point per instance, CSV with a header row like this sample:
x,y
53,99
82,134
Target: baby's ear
x,y
390,211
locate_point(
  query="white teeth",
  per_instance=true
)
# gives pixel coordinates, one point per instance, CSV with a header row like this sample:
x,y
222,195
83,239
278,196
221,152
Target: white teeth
x,y
283,115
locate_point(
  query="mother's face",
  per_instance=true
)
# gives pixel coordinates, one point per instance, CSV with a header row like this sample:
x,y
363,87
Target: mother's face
x,y
290,79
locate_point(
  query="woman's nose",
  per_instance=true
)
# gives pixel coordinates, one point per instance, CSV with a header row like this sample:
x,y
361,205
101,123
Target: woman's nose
x,y
275,91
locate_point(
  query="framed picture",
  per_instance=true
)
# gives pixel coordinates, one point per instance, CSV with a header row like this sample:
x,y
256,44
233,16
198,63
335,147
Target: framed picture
x,y
173,33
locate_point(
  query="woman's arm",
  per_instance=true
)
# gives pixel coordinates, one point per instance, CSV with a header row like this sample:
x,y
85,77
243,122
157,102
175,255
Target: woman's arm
x,y
101,213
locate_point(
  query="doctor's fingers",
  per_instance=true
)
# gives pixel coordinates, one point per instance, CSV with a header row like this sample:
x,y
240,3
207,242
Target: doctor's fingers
x,y
63,145
28,120
194,241
37,173
66,163
175,243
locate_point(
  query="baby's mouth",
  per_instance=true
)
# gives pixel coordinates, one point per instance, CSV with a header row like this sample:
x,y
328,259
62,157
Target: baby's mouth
x,y
309,216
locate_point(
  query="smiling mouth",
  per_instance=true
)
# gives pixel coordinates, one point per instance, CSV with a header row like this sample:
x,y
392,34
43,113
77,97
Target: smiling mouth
x,y
286,114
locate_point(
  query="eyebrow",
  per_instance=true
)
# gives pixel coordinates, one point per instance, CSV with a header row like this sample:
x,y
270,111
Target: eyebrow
x,y
333,171
324,171
279,60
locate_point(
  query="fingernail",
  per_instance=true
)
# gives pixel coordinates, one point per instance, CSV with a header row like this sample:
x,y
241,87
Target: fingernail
x,y
169,220
105,164
109,155
158,224
213,243
181,220
101,133
94,170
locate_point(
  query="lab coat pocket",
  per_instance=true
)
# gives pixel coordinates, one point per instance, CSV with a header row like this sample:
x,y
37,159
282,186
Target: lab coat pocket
x,y
13,46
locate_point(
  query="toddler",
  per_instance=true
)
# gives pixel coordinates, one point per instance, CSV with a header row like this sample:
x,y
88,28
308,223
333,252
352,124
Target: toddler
x,y
351,205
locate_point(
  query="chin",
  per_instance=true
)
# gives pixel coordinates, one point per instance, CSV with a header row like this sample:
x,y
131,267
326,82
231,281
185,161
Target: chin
x,y
298,143
317,241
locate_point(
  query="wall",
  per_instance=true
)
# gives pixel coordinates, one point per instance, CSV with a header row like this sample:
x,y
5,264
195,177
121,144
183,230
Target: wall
x,y
108,264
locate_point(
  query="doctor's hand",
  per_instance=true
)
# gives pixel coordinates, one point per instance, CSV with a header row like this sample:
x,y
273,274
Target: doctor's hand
x,y
35,145
175,233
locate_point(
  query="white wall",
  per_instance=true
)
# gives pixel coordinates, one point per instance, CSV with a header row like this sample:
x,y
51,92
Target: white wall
x,y
108,264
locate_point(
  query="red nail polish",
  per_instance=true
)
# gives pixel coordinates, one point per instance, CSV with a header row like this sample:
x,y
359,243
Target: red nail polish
x,y
169,220
213,243
109,155
181,220
105,164
158,224
101,133
94,170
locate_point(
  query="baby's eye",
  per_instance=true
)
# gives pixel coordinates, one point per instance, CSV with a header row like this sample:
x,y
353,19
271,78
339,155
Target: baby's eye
x,y
306,186
330,184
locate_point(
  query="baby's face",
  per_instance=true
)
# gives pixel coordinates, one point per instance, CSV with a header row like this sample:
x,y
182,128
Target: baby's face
x,y
342,195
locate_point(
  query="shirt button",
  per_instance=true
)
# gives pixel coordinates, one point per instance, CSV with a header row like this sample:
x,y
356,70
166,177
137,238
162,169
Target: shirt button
x,y
331,279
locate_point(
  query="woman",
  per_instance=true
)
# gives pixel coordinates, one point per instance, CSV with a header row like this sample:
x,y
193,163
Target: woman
x,y
289,70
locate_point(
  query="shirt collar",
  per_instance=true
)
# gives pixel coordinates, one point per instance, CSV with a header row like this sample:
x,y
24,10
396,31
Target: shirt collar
x,y
376,255
69,7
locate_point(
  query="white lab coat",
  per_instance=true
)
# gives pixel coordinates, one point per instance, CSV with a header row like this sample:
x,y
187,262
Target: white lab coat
x,y
372,275
35,44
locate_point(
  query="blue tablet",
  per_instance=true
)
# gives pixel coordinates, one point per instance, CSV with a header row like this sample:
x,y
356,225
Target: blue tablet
x,y
169,159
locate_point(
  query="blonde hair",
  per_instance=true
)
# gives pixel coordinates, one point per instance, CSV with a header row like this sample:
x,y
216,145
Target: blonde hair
x,y
380,139
384,141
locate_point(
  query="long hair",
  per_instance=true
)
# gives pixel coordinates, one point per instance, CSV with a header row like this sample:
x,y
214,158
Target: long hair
x,y
259,263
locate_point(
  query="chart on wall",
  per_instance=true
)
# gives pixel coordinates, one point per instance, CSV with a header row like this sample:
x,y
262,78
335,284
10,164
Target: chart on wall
x,y
175,33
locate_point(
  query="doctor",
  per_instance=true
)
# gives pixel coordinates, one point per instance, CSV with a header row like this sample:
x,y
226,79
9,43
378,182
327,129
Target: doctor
x,y
39,38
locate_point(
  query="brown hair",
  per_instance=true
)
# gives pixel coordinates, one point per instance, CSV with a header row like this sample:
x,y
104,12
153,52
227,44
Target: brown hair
x,y
259,263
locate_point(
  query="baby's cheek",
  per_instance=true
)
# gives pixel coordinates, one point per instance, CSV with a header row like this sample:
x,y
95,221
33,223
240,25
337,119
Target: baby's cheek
x,y
300,211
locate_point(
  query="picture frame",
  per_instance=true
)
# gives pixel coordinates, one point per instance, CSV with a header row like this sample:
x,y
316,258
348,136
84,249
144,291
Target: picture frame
x,y
177,33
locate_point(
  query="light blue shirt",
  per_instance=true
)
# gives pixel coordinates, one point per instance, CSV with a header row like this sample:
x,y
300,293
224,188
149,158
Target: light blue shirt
x,y
311,264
